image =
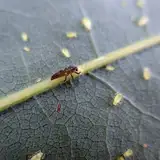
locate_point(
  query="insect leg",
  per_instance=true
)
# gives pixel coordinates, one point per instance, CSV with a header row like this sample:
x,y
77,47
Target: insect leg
x,y
71,75
65,78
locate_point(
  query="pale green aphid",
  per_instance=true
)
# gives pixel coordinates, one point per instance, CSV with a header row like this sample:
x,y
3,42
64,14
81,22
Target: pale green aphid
x,y
110,68
142,21
38,156
146,73
66,52
24,36
117,99
128,153
87,24
27,49
71,35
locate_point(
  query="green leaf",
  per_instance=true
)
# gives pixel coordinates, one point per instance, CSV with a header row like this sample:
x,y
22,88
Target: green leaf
x,y
87,126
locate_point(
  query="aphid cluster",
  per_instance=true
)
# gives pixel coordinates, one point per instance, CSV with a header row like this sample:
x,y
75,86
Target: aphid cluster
x,y
65,73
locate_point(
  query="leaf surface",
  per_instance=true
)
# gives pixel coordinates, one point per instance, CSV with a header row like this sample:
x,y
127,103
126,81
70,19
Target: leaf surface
x,y
87,126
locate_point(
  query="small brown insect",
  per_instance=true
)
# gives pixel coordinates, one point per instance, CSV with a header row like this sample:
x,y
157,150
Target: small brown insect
x,y
66,72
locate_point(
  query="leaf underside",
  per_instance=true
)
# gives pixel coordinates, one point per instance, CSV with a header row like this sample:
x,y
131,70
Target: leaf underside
x,y
87,126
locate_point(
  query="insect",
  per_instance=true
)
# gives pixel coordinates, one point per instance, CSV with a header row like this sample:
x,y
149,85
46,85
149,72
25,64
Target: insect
x,y
125,155
66,72
87,24
66,52
146,73
117,99
59,108
142,21
36,156
24,36
27,49
110,68
71,35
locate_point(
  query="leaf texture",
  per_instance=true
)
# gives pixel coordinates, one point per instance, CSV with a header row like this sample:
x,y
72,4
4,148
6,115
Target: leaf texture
x,y
87,127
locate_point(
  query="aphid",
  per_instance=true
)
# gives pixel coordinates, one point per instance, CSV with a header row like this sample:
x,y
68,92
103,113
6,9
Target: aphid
x,y
87,24
66,52
59,108
66,72
125,155
71,35
140,3
117,99
128,153
27,49
121,157
142,21
38,80
146,73
24,36
110,68
36,156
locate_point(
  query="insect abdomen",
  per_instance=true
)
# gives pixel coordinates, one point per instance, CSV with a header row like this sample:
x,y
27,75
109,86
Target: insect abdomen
x,y
57,75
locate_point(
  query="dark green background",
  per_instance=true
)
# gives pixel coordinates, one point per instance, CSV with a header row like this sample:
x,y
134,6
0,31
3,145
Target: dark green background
x,y
87,127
